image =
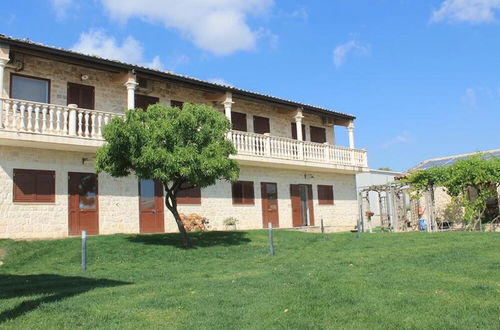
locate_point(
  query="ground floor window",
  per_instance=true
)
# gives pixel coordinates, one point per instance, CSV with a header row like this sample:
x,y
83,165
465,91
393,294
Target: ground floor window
x,y
325,195
243,193
189,196
34,186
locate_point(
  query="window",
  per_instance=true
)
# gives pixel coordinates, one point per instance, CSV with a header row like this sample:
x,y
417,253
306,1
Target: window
x,y
294,131
261,125
34,186
325,195
178,104
189,196
239,121
29,88
243,193
318,134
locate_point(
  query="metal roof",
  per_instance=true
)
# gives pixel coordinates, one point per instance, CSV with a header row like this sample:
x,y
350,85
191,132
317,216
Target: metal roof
x,y
446,161
27,43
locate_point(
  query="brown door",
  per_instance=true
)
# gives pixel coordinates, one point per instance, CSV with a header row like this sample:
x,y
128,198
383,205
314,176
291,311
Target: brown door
x,y
151,218
302,205
269,194
81,95
144,101
83,203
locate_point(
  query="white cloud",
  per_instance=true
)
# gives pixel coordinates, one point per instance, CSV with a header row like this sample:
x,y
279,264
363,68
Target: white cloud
x,y
340,52
472,11
404,137
470,99
97,42
219,26
60,7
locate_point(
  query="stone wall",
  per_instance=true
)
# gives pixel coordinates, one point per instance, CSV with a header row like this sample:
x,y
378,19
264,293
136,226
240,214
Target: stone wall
x,y
118,198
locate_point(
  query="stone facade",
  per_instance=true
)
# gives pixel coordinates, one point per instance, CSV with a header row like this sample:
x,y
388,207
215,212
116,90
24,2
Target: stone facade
x,y
119,206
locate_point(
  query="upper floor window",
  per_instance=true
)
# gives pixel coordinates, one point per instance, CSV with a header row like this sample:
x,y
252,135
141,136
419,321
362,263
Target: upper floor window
x,y
318,134
178,104
239,121
34,186
261,125
29,88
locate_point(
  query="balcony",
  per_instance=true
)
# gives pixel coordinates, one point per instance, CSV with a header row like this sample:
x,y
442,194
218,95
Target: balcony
x,y
50,126
273,151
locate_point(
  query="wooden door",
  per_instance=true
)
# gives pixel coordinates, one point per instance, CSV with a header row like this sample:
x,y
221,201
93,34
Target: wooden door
x,y
81,95
151,215
83,203
144,101
269,194
302,205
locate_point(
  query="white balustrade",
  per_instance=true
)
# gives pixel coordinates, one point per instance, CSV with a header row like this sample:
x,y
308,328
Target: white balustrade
x,y
42,118
279,147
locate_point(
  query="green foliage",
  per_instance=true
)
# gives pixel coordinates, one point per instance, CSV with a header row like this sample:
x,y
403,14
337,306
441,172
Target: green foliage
x,y
231,221
471,181
171,145
182,148
385,169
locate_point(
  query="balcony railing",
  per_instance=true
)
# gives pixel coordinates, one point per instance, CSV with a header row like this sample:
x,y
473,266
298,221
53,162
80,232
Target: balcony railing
x,y
43,118
283,148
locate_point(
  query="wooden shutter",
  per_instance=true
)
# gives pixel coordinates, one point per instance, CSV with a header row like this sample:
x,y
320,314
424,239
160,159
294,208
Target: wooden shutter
x,y
144,101
178,104
189,196
294,131
243,193
81,95
34,186
325,195
239,121
261,125
295,199
318,134
310,204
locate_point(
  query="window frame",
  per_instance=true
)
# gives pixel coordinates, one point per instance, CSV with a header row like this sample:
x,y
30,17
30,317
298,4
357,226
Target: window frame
x,y
317,129
245,200
29,77
321,194
245,121
264,119
35,198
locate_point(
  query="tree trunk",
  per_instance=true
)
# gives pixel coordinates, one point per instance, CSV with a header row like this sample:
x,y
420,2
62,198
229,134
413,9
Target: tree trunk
x,y
171,204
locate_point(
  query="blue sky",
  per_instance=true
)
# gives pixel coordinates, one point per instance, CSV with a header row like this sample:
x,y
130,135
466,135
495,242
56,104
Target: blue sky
x,y
422,77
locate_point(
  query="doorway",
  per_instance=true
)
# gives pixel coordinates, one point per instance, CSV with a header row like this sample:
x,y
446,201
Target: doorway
x,y
151,215
269,194
83,203
302,205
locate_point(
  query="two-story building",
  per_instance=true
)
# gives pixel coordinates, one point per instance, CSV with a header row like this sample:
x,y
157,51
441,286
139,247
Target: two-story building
x,y
55,103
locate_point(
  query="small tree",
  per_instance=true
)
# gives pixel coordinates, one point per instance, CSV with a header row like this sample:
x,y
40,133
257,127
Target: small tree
x,y
182,149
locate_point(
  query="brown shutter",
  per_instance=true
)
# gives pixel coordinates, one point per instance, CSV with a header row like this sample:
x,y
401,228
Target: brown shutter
x,y
189,196
295,199
82,95
294,131
248,193
178,104
239,121
310,204
318,134
261,125
144,101
33,186
237,190
325,195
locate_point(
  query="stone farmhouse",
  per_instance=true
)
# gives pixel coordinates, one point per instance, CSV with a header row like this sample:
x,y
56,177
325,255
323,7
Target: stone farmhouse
x,y
55,103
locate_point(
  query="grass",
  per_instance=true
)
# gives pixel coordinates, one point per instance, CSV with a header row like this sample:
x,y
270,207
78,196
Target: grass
x,y
330,281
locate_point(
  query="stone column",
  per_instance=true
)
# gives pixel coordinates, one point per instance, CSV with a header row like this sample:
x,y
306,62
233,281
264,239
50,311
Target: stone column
x,y
334,139
3,62
228,103
350,130
298,121
131,85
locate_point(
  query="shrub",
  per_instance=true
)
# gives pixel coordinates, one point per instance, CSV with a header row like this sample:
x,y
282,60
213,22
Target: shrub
x,y
194,222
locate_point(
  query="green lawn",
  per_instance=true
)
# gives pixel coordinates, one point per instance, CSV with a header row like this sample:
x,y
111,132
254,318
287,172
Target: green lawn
x,y
330,281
